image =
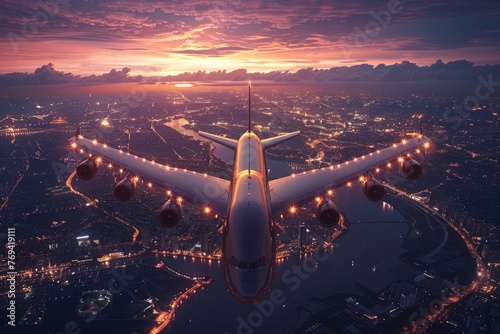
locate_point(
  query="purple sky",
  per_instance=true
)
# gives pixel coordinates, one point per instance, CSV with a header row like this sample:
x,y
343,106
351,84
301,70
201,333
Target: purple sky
x,y
170,37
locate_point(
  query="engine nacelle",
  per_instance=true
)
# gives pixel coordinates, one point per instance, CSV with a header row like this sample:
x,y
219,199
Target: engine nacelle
x,y
125,190
170,214
328,214
373,190
87,169
411,169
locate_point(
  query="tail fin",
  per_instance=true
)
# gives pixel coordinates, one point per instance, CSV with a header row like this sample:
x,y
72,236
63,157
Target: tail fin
x,y
270,142
227,142
249,106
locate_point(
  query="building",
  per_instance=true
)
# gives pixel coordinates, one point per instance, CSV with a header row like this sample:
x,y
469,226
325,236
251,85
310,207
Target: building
x,y
407,300
174,243
162,243
302,235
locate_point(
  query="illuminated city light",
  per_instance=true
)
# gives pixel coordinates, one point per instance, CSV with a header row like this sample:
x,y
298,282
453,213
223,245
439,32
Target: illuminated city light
x,y
293,209
330,192
207,210
349,184
73,145
389,165
377,170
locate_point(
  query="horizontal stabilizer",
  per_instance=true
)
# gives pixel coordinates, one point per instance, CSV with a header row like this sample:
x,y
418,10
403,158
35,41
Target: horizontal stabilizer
x,y
270,142
227,142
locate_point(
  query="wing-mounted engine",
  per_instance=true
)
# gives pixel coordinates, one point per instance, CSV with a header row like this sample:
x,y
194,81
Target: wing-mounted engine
x,y
328,214
411,169
125,189
87,169
170,214
373,189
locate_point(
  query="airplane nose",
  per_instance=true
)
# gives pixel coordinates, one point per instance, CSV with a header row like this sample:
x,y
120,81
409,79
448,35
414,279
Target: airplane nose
x,y
249,288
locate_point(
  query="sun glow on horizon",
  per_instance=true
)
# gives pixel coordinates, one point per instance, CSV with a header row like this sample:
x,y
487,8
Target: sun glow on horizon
x,y
183,85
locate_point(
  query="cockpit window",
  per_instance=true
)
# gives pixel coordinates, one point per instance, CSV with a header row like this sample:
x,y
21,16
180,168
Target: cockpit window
x,y
247,265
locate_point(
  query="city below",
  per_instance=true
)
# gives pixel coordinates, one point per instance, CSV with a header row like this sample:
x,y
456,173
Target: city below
x,y
424,259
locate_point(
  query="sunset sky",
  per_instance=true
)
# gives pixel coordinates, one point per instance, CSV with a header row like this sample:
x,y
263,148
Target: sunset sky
x,y
169,37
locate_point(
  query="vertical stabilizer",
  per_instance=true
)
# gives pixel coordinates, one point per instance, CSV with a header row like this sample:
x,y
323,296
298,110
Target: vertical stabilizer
x,y
249,106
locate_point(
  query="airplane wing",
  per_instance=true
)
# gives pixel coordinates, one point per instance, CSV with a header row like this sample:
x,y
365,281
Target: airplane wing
x,y
301,188
197,188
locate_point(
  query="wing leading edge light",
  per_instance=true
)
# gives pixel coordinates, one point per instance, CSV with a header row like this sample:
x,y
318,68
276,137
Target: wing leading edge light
x,y
249,201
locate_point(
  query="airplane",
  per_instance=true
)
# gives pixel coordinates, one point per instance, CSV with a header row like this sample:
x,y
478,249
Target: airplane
x,y
249,201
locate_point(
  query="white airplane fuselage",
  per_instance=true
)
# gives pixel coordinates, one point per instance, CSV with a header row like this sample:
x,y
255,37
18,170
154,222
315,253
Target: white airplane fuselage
x,y
249,241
